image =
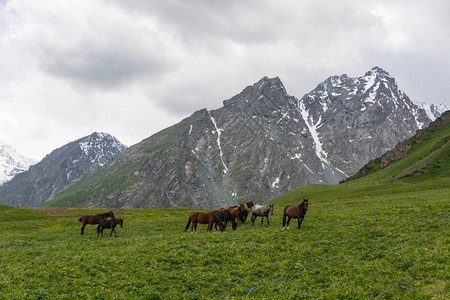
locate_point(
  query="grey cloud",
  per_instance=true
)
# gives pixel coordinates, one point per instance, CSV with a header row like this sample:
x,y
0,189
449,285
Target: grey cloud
x,y
104,64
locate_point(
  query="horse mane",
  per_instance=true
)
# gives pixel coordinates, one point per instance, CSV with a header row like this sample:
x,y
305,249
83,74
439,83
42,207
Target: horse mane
x,y
246,207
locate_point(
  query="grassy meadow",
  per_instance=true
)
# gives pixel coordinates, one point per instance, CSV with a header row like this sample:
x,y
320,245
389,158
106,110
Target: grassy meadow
x,y
357,241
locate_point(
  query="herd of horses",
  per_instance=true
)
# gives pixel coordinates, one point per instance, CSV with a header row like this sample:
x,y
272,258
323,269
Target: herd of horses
x,y
221,217
238,214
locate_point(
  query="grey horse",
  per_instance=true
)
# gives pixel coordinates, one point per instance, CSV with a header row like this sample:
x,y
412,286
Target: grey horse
x,y
262,211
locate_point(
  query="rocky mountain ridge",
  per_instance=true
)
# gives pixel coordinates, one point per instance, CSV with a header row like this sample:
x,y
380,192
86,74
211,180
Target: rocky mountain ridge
x,y
58,169
262,143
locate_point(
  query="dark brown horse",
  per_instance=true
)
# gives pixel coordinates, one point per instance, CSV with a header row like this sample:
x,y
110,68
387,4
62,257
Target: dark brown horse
x,y
94,219
204,218
295,212
225,216
111,223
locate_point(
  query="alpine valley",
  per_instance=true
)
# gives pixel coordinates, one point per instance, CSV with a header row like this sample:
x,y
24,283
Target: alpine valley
x,y
261,144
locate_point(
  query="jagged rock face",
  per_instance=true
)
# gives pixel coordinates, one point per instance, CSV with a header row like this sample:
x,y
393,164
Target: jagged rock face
x,y
357,119
263,143
58,169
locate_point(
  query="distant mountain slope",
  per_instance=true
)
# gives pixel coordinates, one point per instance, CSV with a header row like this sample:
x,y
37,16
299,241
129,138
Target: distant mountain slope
x,y
58,169
427,153
12,163
262,143
433,110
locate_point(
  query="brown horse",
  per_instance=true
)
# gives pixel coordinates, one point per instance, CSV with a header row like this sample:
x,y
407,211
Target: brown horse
x,y
295,212
111,223
203,218
240,212
94,219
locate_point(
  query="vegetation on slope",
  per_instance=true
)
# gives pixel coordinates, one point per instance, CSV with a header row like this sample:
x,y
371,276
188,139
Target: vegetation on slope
x,y
370,246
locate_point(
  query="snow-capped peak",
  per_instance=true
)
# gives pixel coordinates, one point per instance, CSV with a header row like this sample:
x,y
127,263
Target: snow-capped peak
x,y
95,145
12,163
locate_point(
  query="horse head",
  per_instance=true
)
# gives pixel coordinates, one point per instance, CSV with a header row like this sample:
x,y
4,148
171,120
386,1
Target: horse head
x,y
120,222
305,204
271,208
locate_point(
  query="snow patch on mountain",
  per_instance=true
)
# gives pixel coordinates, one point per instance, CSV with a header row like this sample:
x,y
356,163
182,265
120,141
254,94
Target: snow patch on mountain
x,y
99,147
12,163
219,132
433,110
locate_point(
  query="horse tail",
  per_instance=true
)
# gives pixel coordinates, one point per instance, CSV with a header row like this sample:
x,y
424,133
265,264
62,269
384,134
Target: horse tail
x,y
80,219
188,223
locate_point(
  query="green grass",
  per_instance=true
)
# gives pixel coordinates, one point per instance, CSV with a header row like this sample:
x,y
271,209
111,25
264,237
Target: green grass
x,y
350,246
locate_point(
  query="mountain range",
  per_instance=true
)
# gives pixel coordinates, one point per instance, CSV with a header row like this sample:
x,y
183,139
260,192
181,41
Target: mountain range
x,y
261,144
58,169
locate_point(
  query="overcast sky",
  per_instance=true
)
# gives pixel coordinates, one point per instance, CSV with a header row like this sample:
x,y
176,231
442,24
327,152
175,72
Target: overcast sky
x,y
131,67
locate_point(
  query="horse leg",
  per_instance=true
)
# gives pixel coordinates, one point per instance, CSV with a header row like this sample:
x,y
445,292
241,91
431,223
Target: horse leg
x,y
288,221
194,225
284,220
98,230
210,224
300,220
82,228
253,219
268,224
